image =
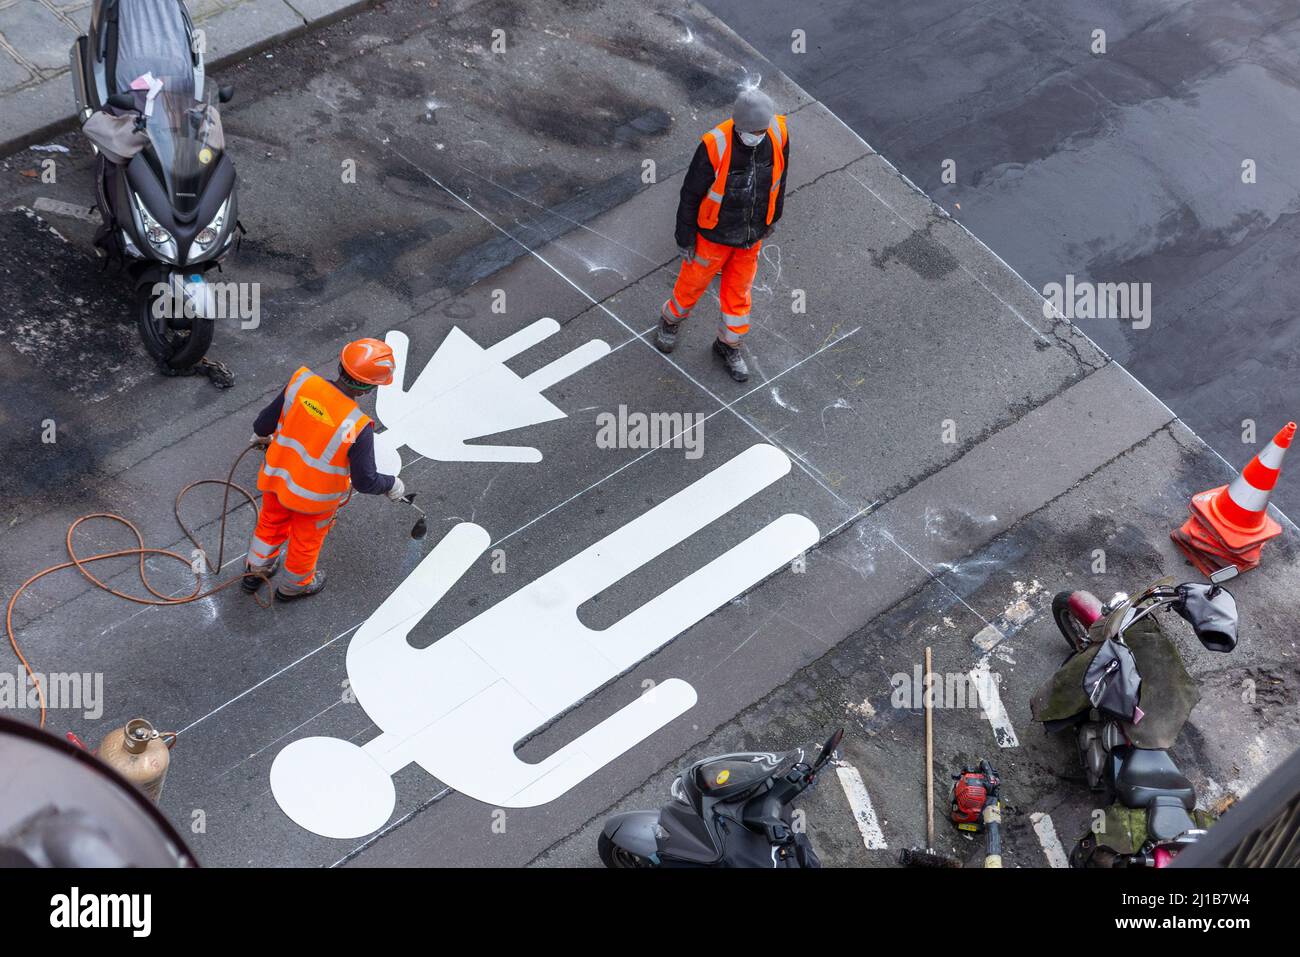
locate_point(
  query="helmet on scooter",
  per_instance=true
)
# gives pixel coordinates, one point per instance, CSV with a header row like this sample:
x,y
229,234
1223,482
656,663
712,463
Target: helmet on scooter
x,y
368,362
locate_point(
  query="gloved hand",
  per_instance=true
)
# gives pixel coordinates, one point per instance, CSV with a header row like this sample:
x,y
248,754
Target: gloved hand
x,y
261,441
687,253
397,492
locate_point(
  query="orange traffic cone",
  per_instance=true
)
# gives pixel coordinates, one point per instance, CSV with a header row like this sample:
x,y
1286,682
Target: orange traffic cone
x,y
1230,524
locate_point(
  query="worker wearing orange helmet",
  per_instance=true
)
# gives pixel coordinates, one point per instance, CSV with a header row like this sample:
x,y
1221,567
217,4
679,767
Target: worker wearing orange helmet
x,y
319,449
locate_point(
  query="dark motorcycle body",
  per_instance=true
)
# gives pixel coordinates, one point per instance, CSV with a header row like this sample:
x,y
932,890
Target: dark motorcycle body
x,y
165,188
733,810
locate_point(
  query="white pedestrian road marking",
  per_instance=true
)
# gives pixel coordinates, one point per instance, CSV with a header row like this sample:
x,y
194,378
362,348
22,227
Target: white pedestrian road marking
x,y
459,706
466,392
1051,844
864,815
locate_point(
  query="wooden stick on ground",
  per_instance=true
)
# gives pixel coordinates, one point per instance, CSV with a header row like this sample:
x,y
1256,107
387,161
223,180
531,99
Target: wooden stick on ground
x,y
926,686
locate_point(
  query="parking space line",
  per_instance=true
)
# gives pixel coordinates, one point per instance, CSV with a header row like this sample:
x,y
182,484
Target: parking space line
x,y
1048,840
864,814
991,704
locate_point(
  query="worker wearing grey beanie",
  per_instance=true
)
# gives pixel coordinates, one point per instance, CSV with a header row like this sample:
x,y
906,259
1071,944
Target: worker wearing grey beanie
x,y
731,199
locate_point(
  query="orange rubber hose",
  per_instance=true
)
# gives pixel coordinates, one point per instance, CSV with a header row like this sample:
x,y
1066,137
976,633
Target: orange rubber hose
x,y
80,562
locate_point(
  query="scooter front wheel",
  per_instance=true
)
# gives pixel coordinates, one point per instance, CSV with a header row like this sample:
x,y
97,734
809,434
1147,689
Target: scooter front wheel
x,y
167,340
1074,631
613,856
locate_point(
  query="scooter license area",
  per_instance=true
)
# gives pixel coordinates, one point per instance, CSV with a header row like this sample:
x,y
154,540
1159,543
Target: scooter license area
x,y
565,435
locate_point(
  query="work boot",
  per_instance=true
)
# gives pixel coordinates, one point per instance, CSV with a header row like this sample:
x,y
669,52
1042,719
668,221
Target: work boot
x,y
666,336
732,359
294,591
253,577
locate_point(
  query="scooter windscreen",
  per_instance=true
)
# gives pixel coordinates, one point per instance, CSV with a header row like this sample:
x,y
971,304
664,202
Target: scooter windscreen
x,y
187,141
1212,612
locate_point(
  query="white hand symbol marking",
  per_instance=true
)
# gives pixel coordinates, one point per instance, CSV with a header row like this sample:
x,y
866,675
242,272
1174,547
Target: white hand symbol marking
x,y
466,392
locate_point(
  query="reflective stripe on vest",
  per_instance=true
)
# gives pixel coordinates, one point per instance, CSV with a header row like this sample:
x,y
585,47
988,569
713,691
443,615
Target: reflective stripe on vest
x,y
717,142
307,462
778,133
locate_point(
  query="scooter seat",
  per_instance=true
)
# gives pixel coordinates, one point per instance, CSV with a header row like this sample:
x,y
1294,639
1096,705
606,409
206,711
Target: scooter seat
x,y
1145,775
1167,819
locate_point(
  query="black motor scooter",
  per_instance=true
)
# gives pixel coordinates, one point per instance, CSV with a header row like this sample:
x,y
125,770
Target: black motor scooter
x,y
727,811
1125,694
165,187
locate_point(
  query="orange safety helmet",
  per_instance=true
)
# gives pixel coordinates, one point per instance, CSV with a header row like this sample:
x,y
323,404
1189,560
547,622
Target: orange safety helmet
x,y
369,361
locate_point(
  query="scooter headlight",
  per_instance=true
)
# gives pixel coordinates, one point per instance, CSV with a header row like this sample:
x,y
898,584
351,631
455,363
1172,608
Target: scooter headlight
x,y
163,243
210,233
678,792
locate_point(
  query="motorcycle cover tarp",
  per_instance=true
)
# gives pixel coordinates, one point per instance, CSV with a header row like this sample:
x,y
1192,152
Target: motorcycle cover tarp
x,y
152,37
1124,829
115,136
1168,692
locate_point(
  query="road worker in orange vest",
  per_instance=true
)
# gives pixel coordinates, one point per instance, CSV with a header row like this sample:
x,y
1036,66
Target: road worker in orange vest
x,y
731,199
319,448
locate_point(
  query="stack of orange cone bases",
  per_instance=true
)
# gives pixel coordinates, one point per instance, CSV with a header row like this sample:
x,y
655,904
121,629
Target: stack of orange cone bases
x,y
1230,524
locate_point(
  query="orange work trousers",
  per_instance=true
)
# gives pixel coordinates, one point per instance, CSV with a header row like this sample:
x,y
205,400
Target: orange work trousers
x,y
738,268
305,532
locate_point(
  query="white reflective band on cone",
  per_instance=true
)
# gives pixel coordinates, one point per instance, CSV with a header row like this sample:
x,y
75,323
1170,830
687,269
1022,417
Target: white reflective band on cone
x,y
1247,496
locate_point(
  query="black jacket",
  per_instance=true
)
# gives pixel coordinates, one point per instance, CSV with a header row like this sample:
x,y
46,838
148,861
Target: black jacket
x,y
742,221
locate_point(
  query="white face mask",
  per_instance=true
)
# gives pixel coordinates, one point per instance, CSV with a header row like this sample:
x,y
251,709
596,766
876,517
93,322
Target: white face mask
x,y
752,139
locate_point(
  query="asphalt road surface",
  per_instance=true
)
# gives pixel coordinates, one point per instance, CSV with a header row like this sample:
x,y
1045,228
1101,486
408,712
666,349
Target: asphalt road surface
x,y
921,457
1117,166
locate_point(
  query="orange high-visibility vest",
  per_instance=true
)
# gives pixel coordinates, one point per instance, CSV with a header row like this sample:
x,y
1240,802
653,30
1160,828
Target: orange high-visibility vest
x,y
307,462
718,143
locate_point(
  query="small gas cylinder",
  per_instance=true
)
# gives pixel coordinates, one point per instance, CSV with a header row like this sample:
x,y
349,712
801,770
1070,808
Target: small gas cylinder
x,y
140,754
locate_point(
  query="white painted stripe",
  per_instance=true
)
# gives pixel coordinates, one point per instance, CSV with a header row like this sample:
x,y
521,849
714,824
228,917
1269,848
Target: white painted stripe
x,y
864,815
991,704
567,365
987,637
1051,844
71,210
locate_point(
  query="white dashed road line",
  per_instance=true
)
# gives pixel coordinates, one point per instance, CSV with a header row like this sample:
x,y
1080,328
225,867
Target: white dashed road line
x,y
864,815
1051,844
991,704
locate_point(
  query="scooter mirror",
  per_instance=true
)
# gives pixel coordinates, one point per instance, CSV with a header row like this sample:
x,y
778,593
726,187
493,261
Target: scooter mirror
x,y
225,94
1226,573
1212,612
828,749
